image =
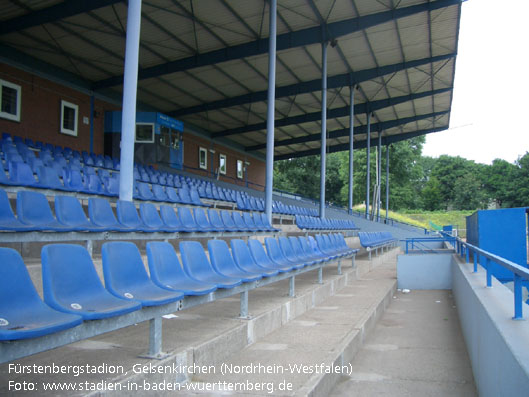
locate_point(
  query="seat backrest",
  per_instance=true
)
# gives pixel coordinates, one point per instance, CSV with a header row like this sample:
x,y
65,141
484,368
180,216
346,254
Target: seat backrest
x,y
215,220
241,253
194,259
16,288
123,268
248,220
220,256
227,219
195,198
48,177
186,218
69,211
100,212
21,173
164,266
6,212
172,195
144,191
149,215
296,247
258,252
239,222
273,249
169,216
63,284
264,218
128,214
159,192
287,249
201,219
33,208
184,195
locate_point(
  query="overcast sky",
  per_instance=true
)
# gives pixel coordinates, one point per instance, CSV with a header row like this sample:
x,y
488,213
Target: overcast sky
x,y
490,109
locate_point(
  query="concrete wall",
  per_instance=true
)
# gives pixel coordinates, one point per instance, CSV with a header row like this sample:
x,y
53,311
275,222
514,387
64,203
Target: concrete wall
x,y
496,344
424,271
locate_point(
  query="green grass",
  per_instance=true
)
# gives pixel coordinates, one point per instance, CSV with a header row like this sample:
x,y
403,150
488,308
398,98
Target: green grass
x,y
423,218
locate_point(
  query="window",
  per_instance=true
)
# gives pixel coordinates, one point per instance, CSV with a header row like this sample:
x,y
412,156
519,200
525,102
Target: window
x,y
144,132
10,100
203,158
69,113
222,164
239,169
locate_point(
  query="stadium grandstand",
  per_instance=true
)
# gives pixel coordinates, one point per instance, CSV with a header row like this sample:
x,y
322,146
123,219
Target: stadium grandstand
x,y
144,249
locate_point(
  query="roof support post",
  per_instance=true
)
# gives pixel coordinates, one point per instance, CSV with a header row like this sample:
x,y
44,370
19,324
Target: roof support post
x,y
92,109
269,185
379,174
323,126
368,158
130,85
351,147
387,183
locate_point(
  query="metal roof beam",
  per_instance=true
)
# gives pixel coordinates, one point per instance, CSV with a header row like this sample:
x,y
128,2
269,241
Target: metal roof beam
x,y
298,38
332,113
358,130
362,144
341,80
52,14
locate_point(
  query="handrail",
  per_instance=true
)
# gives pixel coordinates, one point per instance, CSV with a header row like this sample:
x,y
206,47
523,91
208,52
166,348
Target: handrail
x,y
414,240
463,248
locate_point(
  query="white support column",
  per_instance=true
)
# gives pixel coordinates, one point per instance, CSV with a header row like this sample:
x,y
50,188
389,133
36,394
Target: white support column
x,y
351,148
379,176
130,84
269,185
323,126
387,182
368,161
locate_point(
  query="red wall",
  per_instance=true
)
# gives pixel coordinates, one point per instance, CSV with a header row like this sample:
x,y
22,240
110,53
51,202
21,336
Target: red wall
x,y
41,112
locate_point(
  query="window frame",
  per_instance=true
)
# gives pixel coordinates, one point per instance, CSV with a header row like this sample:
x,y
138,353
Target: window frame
x,y
68,131
18,89
136,135
200,151
223,156
241,174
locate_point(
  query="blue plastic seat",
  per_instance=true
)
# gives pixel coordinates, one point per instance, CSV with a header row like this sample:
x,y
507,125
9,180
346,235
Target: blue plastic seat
x,y
23,314
267,223
21,174
216,222
33,209
300,253
195,198
276,254
49,179
4,180
172,195
223,263
78,289
151,218
167,272
126,277
288,251
112,185
35,163
228,221
262,259
128,215
169,218
69,211
249,221
93,184
315,248
188,222
197,266
159,193
239,222
202,220
244,260
8,221
307,249
73,181
101,214
144,191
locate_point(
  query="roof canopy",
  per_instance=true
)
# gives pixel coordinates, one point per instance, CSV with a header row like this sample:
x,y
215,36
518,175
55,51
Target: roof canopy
x,y
206,63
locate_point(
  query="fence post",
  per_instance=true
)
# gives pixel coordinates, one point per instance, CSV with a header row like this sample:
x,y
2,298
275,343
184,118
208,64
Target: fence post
x,y
475,262
518,314
489,273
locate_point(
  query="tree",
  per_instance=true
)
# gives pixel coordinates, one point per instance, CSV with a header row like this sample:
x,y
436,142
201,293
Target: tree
x,y
431,194
500,182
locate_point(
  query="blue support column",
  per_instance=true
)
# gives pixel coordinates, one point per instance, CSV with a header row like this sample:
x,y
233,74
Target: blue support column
x,y
351,147
130,85
387,183
269,185
518,311
368,165
323,126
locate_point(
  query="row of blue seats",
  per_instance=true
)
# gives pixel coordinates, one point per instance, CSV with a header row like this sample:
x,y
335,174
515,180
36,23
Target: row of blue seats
x,y
34,214
316,223
375,239
73,294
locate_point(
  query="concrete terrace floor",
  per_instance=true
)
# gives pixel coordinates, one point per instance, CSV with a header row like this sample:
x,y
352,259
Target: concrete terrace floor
x,y
416,349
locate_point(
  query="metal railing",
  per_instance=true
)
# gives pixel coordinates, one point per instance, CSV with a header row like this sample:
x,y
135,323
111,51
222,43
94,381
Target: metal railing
x,y
520,273
414,241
